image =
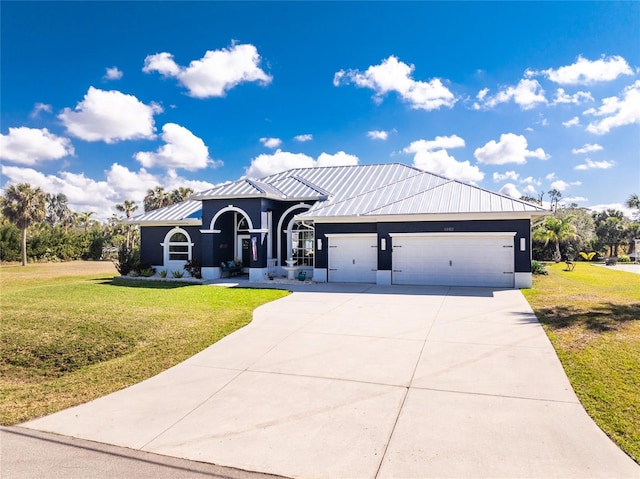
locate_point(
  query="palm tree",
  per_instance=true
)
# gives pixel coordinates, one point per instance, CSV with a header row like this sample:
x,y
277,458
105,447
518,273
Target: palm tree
x,y
156,198
127,207
84,219
180,194
634,202
24,205
556,230
58,211
555,196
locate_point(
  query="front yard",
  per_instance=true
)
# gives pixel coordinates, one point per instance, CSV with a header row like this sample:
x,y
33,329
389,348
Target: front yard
x,y
592,317
70,333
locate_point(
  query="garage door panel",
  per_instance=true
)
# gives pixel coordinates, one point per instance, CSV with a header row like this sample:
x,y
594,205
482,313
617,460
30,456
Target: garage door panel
x,y
353,259
454,261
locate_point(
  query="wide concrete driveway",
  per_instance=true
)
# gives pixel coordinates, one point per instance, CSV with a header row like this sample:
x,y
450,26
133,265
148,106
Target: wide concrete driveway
x,y
338,381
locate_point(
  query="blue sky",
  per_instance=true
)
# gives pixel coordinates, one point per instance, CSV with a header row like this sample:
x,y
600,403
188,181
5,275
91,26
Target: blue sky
x,y
102,101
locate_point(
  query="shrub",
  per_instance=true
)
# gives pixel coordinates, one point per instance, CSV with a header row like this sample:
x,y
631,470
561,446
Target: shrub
x,y
623,258
163,273
127,259
147,272
177,273
538,268
194,268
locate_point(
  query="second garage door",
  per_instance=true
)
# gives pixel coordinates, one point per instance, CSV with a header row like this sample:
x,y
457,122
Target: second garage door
x,y
462,259
353,258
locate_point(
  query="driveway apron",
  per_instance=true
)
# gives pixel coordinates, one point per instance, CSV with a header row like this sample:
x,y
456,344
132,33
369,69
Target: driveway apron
x,y
358,381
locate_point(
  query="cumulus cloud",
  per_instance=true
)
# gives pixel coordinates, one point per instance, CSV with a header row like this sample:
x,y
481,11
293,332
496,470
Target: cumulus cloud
x,y
510,149
594,165
511,190
586,149
182,149
40,107
393,75
432,156
378,135
526,94
575,121
303,138
268,164
214,74
110,116
29,146
561,185
616,111
507,175
112,74
584,71
100,196
575,99
271,142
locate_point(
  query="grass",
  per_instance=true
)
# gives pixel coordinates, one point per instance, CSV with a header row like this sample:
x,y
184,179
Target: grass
x,y
592,317
71,333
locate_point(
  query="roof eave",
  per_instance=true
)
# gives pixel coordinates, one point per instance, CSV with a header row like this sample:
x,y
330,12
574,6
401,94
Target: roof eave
x,y
186,222
396,218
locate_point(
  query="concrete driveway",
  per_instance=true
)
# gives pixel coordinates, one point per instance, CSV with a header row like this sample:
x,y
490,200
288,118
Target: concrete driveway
x,y
339,381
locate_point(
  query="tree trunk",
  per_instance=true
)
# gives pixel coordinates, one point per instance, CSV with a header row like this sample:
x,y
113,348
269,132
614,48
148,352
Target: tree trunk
x,y
557,257
24,246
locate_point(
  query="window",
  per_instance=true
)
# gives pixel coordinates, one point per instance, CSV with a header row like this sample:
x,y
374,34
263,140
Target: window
x,y
302,237
177,246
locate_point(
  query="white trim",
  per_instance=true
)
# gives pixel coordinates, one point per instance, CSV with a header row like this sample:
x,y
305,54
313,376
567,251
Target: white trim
x,y
259,230
383,277
227,209
279,228
210,272
166,245
523,280
320,275
429,217
466,234
258,274
351,235
210,231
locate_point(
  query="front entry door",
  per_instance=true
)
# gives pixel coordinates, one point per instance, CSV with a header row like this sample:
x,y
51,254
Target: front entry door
x,y
244,243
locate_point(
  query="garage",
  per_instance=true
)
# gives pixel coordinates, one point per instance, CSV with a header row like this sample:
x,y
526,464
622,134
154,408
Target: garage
x,y
353,258
448,259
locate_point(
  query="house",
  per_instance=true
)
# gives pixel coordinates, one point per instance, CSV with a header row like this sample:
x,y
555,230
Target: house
x,y
382,223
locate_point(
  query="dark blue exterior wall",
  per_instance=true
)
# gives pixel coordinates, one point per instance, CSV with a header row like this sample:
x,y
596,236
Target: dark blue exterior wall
x,y
151,237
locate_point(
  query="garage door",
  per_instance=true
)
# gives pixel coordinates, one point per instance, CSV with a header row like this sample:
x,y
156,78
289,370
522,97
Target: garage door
x,y
463,259
353,258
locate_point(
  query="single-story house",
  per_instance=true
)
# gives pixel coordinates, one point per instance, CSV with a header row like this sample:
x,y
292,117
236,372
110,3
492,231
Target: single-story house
x,y
381,223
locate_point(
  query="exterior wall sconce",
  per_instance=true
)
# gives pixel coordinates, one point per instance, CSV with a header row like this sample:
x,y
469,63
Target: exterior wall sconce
x,y
383,244
523,244
319,248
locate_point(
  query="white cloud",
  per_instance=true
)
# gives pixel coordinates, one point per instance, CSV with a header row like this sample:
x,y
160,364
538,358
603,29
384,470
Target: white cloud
x,y
87,194
529,190
482,94
393,75
507,175
527,94
597,165
530,180
303,138
576,99
561,185
628,212
271,142
573,199
511,148
38,107
584,72
432,156
110,116
575,121
214,74
511,190
28,146
268,164
378,134
586,149
113,74
182,149
551,176
617,111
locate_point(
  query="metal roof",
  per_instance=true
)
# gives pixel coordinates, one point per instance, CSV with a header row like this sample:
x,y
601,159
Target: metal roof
x,y
187,212
360,190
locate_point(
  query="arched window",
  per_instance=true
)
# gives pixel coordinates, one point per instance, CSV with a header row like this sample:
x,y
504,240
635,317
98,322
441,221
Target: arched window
x,y
177,247
302,236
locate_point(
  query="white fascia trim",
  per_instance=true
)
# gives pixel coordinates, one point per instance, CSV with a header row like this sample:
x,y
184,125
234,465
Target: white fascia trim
x,y
522,215
259,230
351,235
466,234
169,223
210,231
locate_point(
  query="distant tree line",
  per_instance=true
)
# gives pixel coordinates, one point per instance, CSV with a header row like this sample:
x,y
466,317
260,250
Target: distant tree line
x,y
37,226
571,230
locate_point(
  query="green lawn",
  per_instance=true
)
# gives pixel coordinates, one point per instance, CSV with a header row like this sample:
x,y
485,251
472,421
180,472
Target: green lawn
x,y
592,317
69,333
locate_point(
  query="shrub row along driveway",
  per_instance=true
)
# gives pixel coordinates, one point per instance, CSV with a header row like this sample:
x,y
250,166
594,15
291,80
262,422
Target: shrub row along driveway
x,y
366,381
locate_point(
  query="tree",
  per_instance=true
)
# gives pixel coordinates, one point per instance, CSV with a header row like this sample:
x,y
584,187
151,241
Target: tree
x,y
24,205
84,219
180,194
555,196
127,207
610,229
58,212
555,230
634,202
156,198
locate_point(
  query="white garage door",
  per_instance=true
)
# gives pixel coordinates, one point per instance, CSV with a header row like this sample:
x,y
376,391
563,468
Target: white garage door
x,y
353,258
462,259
